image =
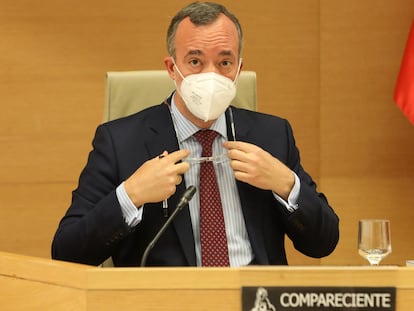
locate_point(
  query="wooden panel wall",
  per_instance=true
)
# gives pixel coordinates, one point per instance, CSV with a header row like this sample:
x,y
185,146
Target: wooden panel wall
x,y
367,145
328,66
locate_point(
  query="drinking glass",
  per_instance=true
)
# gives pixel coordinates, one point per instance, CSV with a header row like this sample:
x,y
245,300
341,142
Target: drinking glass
x,y
374,240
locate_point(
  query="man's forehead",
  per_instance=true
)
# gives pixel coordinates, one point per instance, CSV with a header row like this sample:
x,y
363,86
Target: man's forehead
x,y
222,21
220,36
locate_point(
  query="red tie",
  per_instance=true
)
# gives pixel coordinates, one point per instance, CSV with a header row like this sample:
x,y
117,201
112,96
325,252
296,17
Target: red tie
x,y
214,252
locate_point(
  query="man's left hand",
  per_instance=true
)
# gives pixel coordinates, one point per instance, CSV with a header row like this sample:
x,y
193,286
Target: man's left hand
x,y
257,167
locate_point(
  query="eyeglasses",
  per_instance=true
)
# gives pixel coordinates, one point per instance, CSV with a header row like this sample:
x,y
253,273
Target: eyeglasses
x,y
217,159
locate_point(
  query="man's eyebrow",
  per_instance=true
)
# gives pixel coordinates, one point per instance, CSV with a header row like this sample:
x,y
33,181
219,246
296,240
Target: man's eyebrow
x,y
194,52
226,53
199,52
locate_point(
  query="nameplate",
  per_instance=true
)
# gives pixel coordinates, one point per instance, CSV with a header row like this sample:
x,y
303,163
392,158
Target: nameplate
x,y
318,298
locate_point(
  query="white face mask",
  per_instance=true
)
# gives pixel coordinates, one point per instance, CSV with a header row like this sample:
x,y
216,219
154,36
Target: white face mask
x,y
207,95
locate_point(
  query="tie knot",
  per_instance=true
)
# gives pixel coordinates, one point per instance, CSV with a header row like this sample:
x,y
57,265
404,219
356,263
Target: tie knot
x,y
206,139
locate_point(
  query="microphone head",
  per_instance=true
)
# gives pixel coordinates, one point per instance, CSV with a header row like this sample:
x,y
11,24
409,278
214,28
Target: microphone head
x,y
189,193
187,196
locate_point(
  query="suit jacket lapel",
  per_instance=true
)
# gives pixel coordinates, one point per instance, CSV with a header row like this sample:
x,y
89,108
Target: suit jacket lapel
x,y
164,138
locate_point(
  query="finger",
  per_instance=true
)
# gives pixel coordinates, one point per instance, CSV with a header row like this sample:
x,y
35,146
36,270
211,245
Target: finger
x,y
235,154
181,168
162,155
239,166
239,145
178,155
242,176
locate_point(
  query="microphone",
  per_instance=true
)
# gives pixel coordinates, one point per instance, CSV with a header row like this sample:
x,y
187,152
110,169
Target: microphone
x,y
187,196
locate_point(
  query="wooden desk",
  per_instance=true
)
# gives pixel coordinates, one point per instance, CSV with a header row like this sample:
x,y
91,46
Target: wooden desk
x,y
28,283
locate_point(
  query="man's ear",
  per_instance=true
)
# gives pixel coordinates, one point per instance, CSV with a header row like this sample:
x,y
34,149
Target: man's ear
x,y
169,64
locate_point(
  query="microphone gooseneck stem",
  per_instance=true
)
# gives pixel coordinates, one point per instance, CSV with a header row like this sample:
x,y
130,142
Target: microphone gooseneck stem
x,y
187,196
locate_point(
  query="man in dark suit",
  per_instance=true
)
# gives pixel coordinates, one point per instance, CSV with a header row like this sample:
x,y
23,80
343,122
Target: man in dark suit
x,y
141,165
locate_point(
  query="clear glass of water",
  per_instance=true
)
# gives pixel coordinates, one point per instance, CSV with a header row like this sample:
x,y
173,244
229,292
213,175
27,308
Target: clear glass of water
x,y
374,240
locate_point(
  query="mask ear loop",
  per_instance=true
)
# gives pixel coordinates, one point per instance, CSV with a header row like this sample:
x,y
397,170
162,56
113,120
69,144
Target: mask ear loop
x,y
176,67
236,78
179,72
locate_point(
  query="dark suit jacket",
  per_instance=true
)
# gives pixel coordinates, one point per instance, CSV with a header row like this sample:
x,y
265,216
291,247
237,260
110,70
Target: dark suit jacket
x,y
93,228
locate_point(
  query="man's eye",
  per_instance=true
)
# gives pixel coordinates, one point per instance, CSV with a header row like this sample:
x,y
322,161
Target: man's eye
x,y
194,62
226,63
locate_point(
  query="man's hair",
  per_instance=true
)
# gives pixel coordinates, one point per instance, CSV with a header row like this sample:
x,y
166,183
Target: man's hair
x,y
200,13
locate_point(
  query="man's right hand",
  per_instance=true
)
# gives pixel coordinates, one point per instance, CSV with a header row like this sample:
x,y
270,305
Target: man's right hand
x,y
157,179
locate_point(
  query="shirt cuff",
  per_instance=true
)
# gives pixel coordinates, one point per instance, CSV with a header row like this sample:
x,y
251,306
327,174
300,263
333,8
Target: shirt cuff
x,y
292,203
132,214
